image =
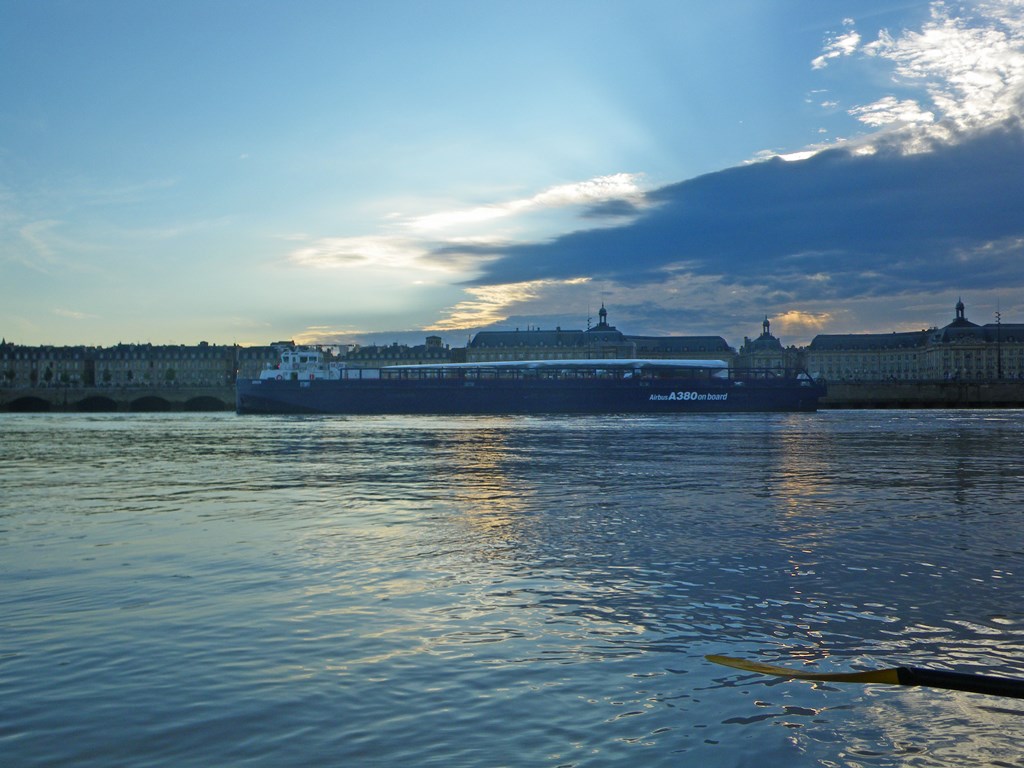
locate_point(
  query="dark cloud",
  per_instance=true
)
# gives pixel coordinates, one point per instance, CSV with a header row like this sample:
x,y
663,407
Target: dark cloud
x,y
836,225
612,209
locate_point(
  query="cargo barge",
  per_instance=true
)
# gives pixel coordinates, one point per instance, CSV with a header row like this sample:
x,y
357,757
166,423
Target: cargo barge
x,y
304,383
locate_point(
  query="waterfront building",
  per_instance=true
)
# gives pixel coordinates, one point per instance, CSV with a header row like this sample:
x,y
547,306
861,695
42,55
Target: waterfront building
x,y
868,356
373,356
766,353
202,365
127,365
961,351
45,366
531,344
603,341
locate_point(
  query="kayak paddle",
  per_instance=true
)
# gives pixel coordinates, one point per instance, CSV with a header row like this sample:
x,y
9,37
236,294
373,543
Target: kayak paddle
x,y
933,678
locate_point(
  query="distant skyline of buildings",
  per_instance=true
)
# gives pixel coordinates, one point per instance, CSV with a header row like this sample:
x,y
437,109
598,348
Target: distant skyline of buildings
x,y
960,349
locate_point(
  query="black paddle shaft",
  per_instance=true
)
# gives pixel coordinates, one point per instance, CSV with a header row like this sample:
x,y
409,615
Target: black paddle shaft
x,y
960,681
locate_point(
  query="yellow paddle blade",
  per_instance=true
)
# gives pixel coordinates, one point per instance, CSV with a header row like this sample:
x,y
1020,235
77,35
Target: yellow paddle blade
x,y
889,676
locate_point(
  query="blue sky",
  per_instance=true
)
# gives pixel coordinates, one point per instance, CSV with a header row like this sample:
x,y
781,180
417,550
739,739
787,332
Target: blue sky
x,y
247,171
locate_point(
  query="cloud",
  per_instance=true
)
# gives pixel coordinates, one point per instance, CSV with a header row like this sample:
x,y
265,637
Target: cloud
x,y
491,303
607,198
383,252
72,242
73,314
889,110
797,322
325,334
970,68
42,247
617,186
843,44
837,225
931,197
594,194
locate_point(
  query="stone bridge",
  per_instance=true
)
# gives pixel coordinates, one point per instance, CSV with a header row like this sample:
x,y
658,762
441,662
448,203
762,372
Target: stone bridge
x,y
114,399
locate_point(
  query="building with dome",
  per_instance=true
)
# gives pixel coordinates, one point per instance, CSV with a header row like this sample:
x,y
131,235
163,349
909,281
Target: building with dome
x,y
766,353
603,341
959,351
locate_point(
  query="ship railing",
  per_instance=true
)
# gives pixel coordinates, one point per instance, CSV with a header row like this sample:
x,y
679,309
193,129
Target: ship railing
x,y
527,370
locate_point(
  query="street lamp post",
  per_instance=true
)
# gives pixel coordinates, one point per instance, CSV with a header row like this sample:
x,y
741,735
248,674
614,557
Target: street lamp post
x,y
999,347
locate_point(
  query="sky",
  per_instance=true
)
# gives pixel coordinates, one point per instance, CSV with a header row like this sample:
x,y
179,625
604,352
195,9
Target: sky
x,y
245,171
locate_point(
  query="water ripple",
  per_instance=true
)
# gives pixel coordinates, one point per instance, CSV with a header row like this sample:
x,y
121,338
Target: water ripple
x,y
184,589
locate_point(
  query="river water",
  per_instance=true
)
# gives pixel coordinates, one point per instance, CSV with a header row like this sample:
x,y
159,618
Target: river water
x,y
214,590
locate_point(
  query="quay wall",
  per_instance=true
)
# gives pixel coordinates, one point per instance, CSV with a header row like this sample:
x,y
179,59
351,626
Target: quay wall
x,y
937,394
117,399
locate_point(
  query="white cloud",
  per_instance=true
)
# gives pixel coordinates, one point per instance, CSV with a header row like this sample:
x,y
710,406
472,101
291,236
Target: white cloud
x,y
792,157
411,250
843,44
492,303
325,334
789,157
384,252
619,186
961,71
889,110
971,67
468,216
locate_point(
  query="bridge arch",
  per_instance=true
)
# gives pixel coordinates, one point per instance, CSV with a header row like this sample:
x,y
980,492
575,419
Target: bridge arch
x,y
29,404
96,404
150,403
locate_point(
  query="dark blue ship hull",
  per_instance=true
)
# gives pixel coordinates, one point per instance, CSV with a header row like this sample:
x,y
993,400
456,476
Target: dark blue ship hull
x,y
525,396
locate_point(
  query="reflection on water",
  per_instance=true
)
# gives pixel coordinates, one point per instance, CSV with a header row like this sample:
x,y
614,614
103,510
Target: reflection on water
x,y
206,589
